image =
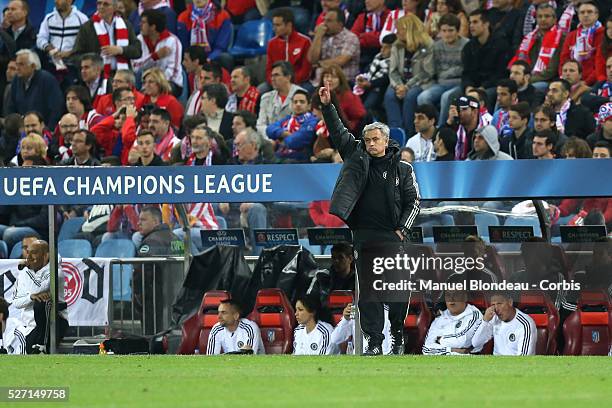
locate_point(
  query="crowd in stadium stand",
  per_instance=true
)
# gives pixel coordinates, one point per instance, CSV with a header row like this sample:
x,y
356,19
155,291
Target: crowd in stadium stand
x,y
154,83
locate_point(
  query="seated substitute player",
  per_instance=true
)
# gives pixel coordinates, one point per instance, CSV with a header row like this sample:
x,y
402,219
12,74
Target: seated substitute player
x,y
452,331
514,333
345,329
12,332
232,333
312,336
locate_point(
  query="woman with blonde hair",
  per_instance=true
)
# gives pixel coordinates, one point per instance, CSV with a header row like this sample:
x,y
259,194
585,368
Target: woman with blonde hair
x,y
31,148
410,72
351,107
158,92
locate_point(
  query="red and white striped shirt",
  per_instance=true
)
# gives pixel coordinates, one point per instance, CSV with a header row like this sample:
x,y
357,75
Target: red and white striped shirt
x,y
171,64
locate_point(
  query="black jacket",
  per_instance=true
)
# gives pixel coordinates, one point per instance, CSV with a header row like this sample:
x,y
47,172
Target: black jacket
x,y
160,241
484,65
518,149
579,121
531,95
402,188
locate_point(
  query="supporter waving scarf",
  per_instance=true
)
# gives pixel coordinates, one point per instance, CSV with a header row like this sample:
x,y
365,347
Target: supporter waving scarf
x,y
565,21
121,40
200,17
550,43
584,49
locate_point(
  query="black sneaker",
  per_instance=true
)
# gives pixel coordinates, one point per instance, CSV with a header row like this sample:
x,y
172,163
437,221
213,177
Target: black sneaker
x,y
397,343
373,351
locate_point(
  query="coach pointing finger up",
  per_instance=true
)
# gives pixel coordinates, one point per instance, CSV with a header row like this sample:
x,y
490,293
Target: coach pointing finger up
x,y
378,198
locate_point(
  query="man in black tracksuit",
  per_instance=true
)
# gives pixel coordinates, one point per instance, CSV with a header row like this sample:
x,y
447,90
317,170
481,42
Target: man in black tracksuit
x,y
377,196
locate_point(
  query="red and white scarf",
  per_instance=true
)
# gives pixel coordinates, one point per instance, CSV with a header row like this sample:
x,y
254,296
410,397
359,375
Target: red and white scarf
x,y
562,116
248,101
191,160
565,21
550,43
374,22
200,17
121,40
584,47
164,147
321,129
151,45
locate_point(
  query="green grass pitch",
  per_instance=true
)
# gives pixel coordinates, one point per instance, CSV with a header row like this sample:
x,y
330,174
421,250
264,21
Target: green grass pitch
x,y
343,381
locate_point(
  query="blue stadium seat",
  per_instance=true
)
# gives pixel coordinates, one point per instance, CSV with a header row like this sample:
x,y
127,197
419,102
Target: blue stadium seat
x,y
398,135
16,251
252,39
483,220
70,228
222,222
3,250
119,248
74,248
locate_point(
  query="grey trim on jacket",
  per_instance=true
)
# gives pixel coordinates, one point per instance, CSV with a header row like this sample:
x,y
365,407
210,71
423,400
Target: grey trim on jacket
x,y
422,67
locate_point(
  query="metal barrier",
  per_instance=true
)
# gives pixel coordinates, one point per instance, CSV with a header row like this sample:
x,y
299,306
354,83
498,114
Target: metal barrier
x,y
154,284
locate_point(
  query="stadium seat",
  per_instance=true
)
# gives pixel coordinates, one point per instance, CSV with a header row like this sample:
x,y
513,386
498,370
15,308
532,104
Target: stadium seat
x,y
252,39
337,301
399,135
70,228
122,274
588,330
483,220
222,222
546,317
74,248
196,329
16,251
3,250
276,319
416,324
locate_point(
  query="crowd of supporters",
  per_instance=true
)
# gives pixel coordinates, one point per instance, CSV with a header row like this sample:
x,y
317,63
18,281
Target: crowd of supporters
x,y
153,83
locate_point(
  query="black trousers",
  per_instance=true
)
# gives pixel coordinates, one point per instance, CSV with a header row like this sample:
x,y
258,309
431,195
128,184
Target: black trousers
x,y
372,315
40,334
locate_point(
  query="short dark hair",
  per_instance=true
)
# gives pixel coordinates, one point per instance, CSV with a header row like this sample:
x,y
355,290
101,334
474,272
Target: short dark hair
x,y
573,61
161,112
566,85
549,135
213,67
250,120
286,68
450,20
233,303
154,211
117,93
93,57
344,248
218,92
192,121
509,84
145,132
286,14
428,110
389,39
605,145
522,108
156,18
548,111
482,13
197,52
340,17
302,92
4,308
524,64
82,94
584,2
38,115
407,149
90,138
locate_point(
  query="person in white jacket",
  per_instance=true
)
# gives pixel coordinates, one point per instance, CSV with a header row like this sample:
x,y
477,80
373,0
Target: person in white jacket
x,y
59,29
160,48
453,330
12,335
514,332
345,330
